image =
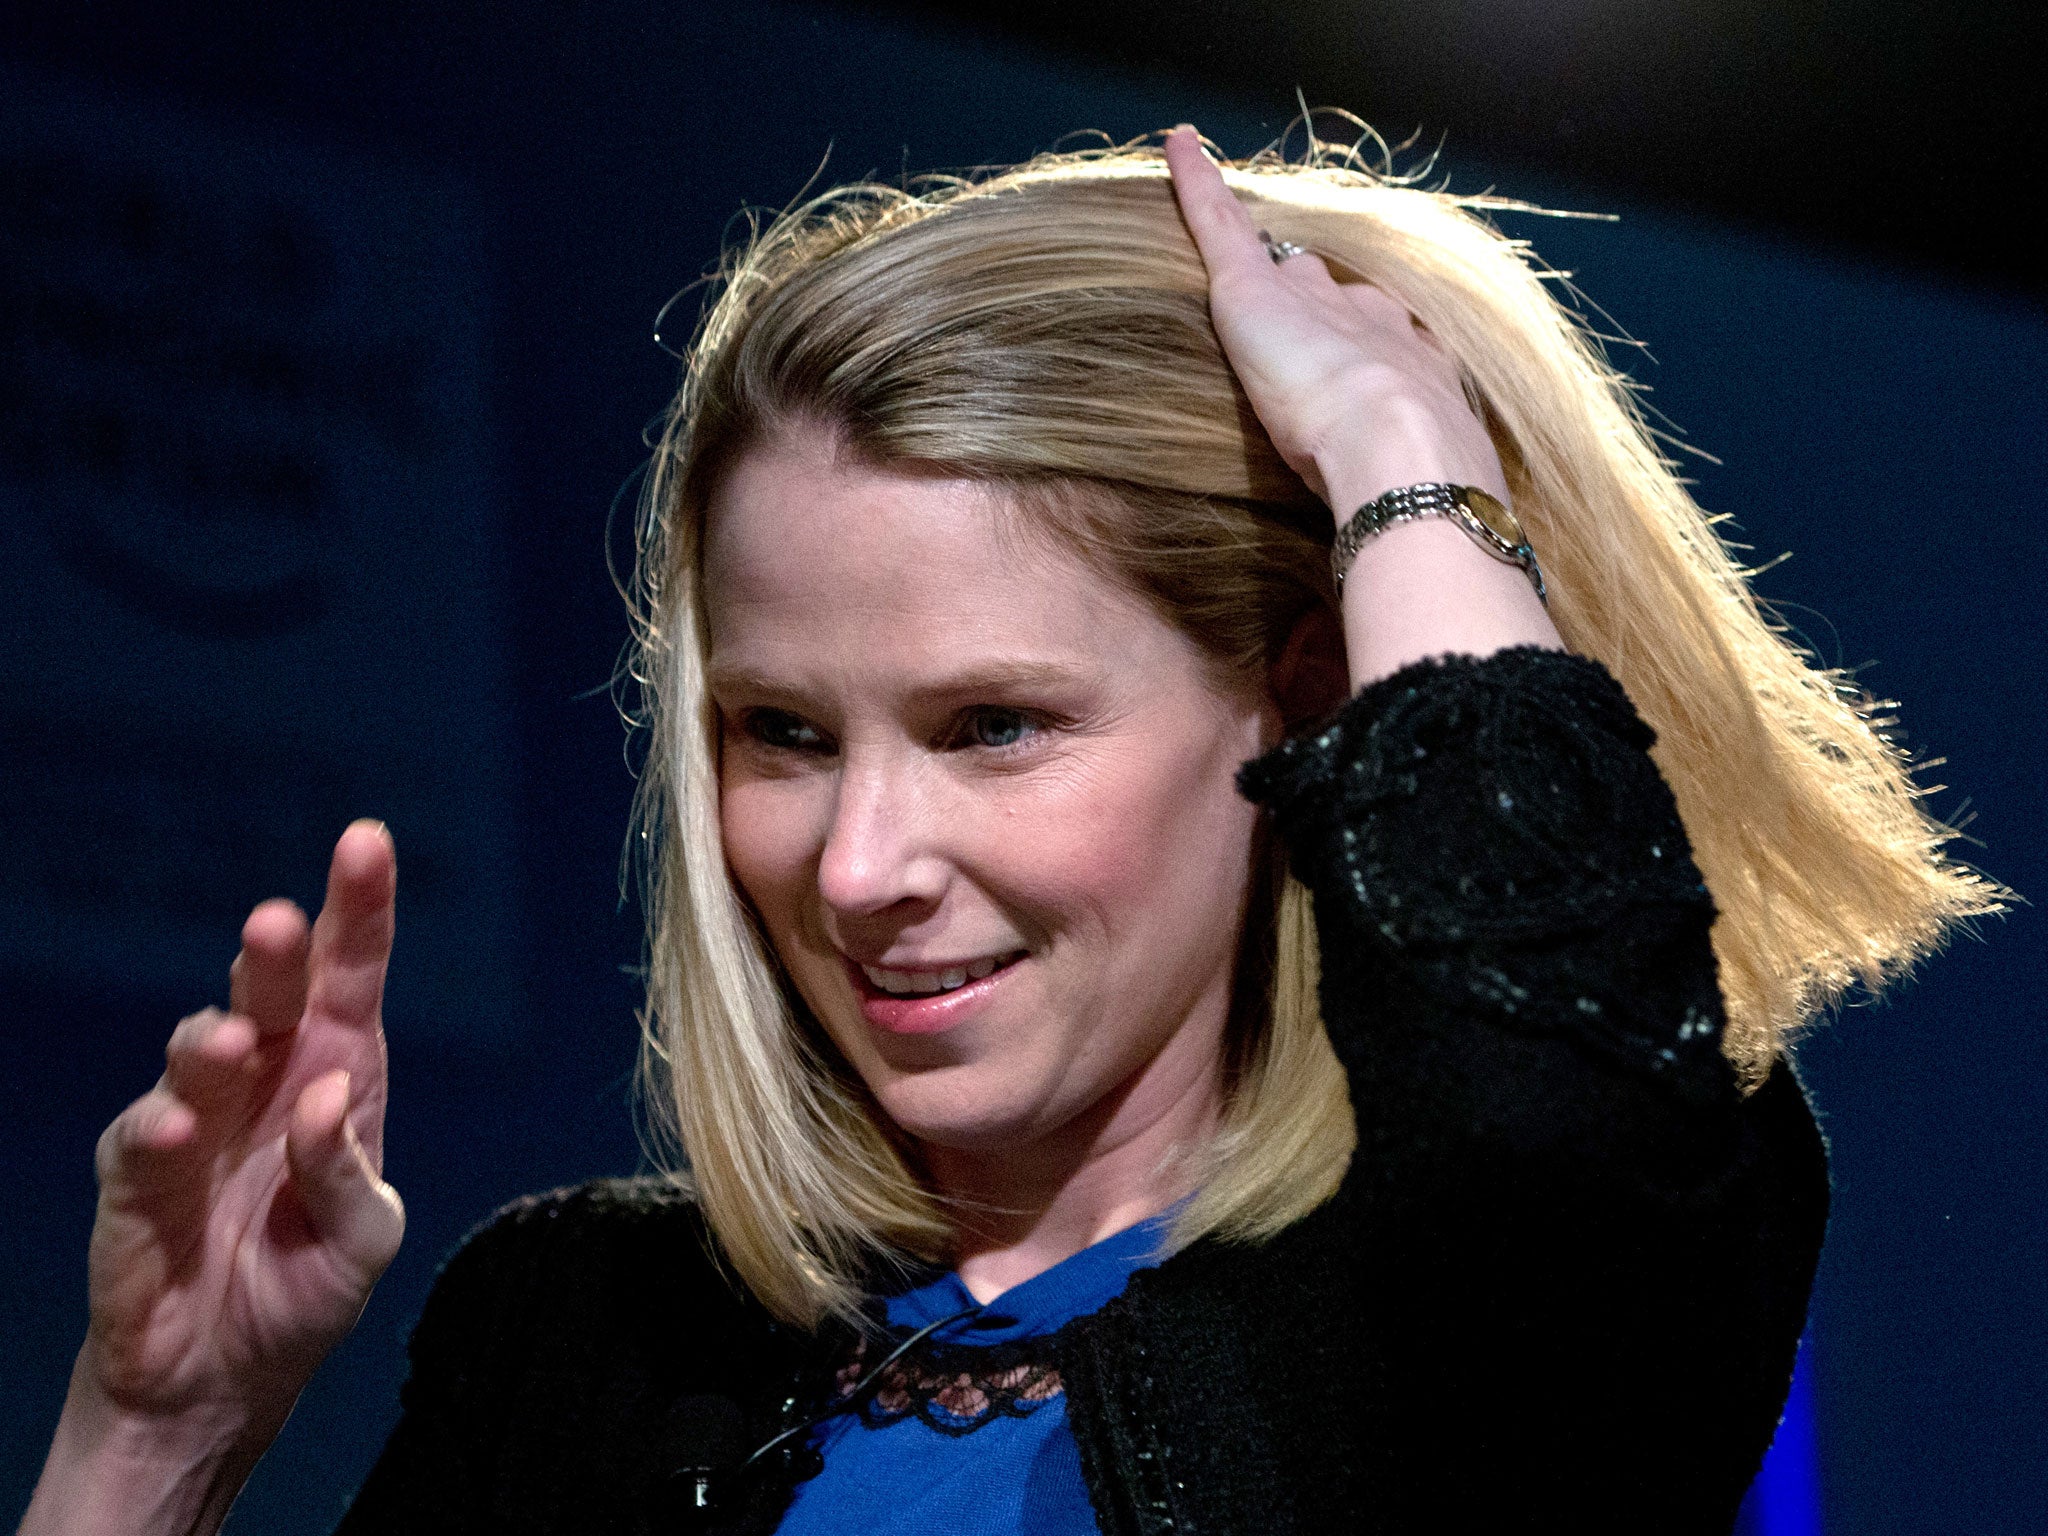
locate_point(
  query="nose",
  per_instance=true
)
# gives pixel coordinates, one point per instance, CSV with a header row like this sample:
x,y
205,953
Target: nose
x,y
880,849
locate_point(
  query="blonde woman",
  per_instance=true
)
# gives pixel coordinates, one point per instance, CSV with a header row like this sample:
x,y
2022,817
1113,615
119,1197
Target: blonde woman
x,y
1231,866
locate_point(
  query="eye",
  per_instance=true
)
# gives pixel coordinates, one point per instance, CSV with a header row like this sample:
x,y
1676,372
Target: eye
x,y
780,729
995,727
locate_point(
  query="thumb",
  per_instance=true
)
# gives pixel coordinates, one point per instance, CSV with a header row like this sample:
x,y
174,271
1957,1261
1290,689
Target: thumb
x,y
350,1207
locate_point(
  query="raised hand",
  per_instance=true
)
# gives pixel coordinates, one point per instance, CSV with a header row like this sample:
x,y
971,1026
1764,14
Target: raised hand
x,y
1356,396
1360,399
243,1217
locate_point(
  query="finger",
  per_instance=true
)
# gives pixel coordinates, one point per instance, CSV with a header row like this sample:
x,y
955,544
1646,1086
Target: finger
x,y
155,1131
351,942
267,982
1383,307
346,1202
1305,269
1223,228
210,1062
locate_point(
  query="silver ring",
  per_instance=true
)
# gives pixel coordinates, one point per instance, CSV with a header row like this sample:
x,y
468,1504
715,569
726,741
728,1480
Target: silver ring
x,y
1280,250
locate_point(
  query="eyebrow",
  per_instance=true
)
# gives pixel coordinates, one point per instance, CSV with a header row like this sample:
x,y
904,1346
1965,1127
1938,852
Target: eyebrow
x,y
994,677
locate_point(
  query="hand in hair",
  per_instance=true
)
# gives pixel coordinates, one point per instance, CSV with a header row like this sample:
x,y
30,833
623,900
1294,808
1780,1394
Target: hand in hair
x,y
1355,394
242,1221
1359,399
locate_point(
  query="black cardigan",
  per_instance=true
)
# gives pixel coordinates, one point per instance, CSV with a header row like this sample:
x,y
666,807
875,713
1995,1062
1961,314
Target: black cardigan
x,y
1560,1288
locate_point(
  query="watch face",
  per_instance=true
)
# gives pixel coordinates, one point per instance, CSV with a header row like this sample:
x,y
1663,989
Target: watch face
x,y
1498,519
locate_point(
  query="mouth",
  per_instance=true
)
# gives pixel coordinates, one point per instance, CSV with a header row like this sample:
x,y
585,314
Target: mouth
x,y
936,979
925,1002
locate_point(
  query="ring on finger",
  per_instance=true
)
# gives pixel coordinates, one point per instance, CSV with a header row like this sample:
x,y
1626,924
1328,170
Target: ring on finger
x,y
1280,250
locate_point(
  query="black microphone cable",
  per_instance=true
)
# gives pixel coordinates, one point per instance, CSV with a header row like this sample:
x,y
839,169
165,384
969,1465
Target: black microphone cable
x,y
695,1494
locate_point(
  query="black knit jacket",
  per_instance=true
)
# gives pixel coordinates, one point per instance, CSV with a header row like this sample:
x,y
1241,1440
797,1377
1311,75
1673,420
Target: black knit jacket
x,y
1560,1288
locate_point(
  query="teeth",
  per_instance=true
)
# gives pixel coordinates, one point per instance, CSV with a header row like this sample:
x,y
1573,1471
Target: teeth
x,y
912,983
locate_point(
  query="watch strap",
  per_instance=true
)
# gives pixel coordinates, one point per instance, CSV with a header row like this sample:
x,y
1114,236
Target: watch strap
x,y
1433,498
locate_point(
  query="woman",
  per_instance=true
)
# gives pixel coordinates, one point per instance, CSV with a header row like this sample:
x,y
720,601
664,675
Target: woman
x,y
988,556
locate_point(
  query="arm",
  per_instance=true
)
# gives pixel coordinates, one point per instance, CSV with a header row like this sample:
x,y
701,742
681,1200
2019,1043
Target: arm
x,y
1586,1256
1360,400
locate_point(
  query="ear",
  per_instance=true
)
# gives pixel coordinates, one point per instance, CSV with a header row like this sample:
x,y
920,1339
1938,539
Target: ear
x,y
1311,676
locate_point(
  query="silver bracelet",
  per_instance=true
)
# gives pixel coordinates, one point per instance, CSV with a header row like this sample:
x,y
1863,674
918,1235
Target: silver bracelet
x,y
1491,526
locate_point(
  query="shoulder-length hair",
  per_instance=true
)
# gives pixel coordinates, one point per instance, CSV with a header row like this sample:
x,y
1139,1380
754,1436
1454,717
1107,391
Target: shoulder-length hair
x,y
1046,329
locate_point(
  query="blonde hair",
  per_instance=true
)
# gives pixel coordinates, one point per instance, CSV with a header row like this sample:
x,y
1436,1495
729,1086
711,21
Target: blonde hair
x,y
1046,329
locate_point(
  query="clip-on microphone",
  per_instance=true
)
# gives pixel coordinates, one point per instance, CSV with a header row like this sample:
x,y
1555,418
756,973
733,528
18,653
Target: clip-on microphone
x,y
695,1495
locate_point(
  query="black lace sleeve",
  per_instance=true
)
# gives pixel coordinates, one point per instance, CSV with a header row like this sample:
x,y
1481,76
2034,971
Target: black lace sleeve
x,y
1572,1255
1490,839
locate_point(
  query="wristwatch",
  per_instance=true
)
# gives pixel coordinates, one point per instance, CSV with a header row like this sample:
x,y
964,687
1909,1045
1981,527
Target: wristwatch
x,y
1492,526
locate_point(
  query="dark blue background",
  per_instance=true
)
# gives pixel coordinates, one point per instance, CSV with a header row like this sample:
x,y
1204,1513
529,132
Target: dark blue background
x,y
1886,428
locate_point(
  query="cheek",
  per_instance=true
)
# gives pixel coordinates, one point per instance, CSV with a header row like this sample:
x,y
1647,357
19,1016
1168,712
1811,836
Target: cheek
x,y
1162,847
769,852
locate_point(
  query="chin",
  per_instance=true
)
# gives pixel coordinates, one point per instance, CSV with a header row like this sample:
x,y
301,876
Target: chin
x,y
946,1108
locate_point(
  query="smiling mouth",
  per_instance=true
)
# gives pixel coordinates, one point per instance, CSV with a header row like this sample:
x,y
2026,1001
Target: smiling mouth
x,y
937,982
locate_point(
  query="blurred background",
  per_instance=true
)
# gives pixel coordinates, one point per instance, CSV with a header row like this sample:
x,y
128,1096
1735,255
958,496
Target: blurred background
x,y
326,347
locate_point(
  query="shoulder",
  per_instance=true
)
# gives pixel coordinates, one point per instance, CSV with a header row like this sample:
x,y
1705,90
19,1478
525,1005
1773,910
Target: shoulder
x,y
583,1229
610,1259
556,1351
606,1210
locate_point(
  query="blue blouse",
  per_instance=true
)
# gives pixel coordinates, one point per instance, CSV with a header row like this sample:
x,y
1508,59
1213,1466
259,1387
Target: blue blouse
x,y
1013,1475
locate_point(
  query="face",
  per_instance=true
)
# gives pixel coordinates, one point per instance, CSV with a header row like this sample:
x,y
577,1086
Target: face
x,y
981,799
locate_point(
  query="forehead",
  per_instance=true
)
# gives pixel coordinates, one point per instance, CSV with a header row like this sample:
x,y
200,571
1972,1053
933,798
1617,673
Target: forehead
x,y
812,556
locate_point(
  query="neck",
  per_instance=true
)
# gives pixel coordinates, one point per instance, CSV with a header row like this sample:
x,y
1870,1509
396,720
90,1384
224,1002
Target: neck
x,y
1126,1159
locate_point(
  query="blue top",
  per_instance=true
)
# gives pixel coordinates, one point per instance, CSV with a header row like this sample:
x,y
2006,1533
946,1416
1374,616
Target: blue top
x,y
1017,1473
